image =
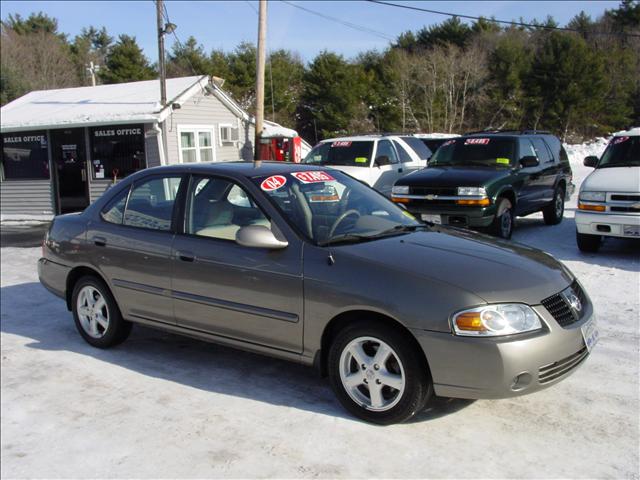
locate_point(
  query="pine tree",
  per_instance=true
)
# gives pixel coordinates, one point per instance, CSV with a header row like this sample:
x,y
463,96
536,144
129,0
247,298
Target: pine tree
x,y
126,63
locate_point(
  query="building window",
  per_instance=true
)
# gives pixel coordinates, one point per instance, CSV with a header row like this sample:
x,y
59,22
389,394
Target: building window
x,y
25,156
196,144
117,150
228,134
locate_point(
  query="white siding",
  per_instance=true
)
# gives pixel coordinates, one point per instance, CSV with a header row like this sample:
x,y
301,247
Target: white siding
x,y
207,110
97,188
26,197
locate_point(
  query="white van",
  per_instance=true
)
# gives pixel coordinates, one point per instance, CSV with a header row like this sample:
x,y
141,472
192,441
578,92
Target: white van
x,y
377,160
609,200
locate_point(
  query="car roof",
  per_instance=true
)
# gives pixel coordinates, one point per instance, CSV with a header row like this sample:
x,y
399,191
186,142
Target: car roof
x,y
632,132
239,168
363,138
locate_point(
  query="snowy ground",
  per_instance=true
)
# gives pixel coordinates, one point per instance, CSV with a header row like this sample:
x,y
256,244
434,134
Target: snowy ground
x,y
166,406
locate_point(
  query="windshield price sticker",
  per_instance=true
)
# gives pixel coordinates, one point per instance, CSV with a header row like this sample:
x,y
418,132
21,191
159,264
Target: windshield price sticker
x,y
619,140
274,182
341,143
477,141
448,142
312,177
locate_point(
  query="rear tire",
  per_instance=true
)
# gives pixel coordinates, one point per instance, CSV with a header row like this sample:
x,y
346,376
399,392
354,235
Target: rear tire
x,y
387,388
554,212
96,313
588,243
502,225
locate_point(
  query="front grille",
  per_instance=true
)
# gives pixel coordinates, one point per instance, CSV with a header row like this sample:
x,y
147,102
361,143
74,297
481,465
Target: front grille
x,y
625,198
549,373
433,191
559,307
624,209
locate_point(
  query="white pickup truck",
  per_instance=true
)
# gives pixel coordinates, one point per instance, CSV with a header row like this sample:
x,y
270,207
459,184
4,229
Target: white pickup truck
x,y
609,199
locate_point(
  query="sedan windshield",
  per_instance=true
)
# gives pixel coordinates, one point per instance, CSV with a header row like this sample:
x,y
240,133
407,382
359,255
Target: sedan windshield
x,y
475,151
341,153
328,207
621,152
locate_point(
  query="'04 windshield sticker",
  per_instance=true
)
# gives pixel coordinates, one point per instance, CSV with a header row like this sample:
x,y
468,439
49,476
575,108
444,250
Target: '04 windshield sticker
x,y
619,140
477,141
274,182
312,177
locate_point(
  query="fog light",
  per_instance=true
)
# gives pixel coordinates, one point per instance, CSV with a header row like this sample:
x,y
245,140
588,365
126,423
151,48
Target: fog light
x,y
521,382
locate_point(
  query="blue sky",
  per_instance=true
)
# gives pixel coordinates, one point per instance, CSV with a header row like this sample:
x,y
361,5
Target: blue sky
x,y
224,24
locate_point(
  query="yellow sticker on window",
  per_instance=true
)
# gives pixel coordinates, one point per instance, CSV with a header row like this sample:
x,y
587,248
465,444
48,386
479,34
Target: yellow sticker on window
x,y
504,161
407,214
362,159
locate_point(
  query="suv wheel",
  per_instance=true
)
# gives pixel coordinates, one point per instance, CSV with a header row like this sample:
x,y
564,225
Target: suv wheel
x,y
588,243
97,315
502,225
377,375
553,212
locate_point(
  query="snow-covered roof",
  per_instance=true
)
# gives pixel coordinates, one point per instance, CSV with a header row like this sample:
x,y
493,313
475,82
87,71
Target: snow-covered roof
x,y
134,102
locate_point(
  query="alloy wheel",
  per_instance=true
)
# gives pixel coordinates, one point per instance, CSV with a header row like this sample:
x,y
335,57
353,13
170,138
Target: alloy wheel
x,y
372,373
93,312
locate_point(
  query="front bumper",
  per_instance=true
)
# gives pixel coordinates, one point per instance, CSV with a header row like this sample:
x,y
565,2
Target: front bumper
x,y
607,224
489,368
462,216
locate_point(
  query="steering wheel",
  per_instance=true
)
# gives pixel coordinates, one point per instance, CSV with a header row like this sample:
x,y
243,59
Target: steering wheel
x,y
340,219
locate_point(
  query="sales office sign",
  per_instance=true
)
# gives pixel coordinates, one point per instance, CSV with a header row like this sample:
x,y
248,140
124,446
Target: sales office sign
x,y
120,132
40,139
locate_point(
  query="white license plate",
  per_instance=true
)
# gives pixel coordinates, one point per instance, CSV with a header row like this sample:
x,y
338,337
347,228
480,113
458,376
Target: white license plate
x,y
431,218
590,334
633,230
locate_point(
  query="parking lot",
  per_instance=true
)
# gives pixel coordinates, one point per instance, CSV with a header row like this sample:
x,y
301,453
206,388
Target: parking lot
x,y
165,406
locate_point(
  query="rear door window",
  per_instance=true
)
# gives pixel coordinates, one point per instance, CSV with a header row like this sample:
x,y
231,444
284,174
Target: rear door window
x,y
151,203
542,151
113,212
402,153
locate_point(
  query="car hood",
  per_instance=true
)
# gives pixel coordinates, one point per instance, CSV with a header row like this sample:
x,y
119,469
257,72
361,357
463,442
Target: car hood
x,y
361,173
454,176
494,270
613,179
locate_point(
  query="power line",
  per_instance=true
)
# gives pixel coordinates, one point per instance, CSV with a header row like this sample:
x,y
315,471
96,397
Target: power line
x,y
342,22
506,22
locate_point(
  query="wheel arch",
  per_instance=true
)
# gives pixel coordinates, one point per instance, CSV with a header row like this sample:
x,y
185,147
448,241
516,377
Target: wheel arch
x,y
74,275
509,193
340,321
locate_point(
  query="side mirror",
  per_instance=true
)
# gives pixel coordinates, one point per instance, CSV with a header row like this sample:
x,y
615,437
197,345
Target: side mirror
x,y
529,161
259,236
590,161
382,160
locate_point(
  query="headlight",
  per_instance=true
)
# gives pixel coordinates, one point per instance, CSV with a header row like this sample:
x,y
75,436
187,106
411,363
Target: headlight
x,y
475,191
593,196
400,190
495,320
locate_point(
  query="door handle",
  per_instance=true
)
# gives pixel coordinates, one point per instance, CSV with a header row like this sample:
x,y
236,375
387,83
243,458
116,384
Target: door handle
x,y
100,241
186,256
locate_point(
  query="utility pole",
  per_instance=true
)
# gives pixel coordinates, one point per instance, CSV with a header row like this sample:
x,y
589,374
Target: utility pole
x,y
92,70
161,32
260,61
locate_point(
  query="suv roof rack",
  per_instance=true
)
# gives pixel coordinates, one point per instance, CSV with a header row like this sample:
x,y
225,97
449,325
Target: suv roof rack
x,y
518,132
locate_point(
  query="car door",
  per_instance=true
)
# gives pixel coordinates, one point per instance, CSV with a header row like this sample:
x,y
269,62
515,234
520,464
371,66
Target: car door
x,y
226,289
386,168
528,179
549,169
131,244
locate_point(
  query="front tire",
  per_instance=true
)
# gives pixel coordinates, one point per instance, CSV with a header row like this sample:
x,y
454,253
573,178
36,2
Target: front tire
x,y
554,212
588,243
96,314
377,374
502,225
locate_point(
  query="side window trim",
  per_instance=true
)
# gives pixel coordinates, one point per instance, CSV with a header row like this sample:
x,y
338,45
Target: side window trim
x,y
400,148
552,158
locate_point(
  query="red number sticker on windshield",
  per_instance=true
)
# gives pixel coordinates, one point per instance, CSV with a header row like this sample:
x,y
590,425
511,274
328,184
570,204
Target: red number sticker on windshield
x,y
341,143
312,177
619,140
274,182
447,143
477,141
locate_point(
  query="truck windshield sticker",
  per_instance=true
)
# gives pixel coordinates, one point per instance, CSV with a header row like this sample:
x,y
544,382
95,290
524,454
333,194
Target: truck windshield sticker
x,y
619,140
312,177
361,159
504,161
477,141
274,182
341,143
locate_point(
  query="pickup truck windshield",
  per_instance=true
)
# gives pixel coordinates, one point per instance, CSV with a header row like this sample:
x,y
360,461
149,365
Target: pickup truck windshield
x,y
621,152
476,151
341,152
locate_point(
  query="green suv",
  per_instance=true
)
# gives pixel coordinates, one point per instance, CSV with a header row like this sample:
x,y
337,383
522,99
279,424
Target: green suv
x,y
483,180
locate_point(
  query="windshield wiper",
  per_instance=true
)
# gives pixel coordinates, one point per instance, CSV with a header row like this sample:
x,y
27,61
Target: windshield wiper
x,y
356,237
